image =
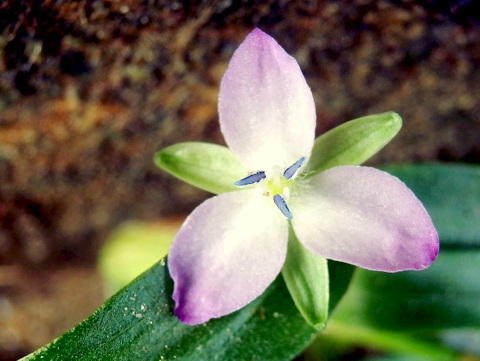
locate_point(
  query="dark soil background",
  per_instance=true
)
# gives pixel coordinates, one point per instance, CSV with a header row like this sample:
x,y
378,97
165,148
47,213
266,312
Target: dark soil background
x,y
89,90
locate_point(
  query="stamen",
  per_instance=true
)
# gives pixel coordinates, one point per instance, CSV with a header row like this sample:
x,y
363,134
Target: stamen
x,y
252,178
282,205
290,171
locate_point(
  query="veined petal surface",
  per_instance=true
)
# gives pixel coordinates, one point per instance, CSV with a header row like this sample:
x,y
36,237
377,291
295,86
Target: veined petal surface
x,y
226,254
266,109
365,217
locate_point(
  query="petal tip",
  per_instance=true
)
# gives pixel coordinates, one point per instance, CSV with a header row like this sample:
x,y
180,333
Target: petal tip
x,y
427,253
259,44
186,313
187,318
429,245
257,33
431,250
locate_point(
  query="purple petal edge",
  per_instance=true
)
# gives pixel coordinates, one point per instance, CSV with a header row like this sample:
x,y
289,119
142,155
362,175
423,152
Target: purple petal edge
x,y
366,217
225,255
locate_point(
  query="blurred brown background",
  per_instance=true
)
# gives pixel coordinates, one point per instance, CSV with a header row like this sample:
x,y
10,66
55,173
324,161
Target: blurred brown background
x,y
89,90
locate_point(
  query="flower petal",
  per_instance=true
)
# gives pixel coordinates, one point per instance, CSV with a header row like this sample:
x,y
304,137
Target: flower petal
x,y
365,217
226,254
266,108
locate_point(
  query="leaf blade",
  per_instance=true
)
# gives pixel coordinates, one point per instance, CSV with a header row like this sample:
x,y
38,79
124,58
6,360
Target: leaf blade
x,y
138,323
445,296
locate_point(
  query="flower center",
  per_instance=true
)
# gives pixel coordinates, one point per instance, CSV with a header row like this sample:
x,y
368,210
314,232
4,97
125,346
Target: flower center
x,y
277,185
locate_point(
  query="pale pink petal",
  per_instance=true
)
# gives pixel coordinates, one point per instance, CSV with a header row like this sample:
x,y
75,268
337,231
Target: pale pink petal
x,y
365,217
226,254
266,109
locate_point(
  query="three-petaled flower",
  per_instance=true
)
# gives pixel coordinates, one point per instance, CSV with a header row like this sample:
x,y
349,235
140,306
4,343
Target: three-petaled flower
x,y
234,245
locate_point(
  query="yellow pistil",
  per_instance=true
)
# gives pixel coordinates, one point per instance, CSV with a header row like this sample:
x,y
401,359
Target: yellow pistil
x,y
276,185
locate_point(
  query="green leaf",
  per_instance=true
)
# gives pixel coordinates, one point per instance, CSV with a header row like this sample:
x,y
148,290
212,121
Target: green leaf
x,y
210,167
353,142
446,295
306,277
138,324
340,275
387,341
451,194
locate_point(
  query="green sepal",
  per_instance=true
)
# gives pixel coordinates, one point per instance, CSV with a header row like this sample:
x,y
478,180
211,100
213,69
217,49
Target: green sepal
x,y
214,168
353,142
306,277
210,167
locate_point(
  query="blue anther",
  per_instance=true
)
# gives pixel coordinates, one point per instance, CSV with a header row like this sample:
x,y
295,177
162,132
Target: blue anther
x,y
290,171
252,178
282,205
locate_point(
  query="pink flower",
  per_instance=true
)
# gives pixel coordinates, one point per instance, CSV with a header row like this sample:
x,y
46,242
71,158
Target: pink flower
x,y
233,245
